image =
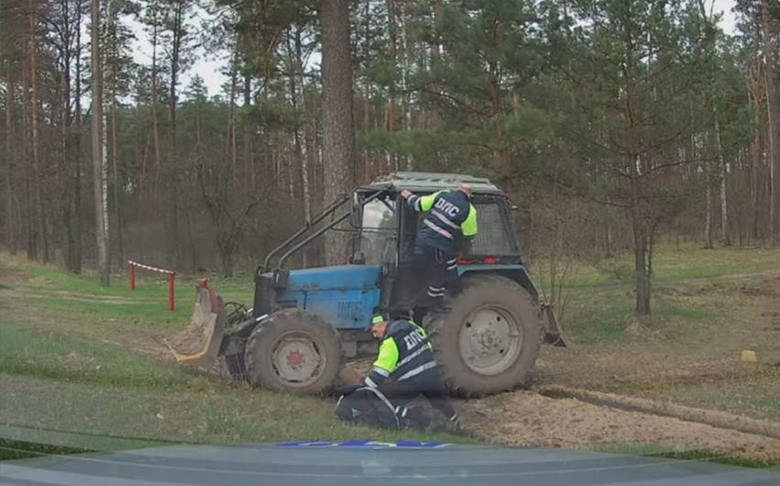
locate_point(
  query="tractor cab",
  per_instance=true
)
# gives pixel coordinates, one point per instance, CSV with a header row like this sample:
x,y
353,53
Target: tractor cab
x,y
388,227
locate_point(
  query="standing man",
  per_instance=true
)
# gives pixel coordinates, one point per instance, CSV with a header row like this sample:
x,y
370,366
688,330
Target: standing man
x,y
406,358
450,217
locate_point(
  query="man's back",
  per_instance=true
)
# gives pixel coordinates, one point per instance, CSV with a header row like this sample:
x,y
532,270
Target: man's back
x,y
414,349
449,216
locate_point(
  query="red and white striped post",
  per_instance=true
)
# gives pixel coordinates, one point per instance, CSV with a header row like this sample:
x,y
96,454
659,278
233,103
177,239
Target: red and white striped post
x,y
171,277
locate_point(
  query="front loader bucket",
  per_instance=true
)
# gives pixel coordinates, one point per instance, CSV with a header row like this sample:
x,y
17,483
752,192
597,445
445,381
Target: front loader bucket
x,y
199,344
552,331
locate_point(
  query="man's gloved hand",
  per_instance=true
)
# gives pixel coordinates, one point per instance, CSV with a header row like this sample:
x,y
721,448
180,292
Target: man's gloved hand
x,y
406,193
348,376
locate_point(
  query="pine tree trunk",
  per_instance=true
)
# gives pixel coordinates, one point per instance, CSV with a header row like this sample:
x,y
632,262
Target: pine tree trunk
x,y
338,126
433,113
317,169
755,166
300,162
291,172
97,149
247,90
367,97
503,153
724,214
65,155
367,172
67,149
312,192
10,225
28,227
407,45
391,115
176,49
231,135
190,225
114,156
639,227
495,100
708,215
772,122
175,253
247,148
104,180
754,90
75,238
37,210
410,53
308,258
642,280
707,169
155,130
175,244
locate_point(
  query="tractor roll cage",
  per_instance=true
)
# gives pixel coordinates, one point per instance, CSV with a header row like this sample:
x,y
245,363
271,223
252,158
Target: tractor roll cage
x,y
330,210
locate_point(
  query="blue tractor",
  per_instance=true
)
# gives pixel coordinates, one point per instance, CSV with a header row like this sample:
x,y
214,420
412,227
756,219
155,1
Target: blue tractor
x,y
305,323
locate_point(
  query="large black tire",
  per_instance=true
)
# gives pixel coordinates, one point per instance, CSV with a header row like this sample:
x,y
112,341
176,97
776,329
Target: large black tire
x,y
495,352
293,351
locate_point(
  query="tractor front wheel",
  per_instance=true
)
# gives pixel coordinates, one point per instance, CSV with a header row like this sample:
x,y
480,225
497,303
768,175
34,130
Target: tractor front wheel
x,y
293,351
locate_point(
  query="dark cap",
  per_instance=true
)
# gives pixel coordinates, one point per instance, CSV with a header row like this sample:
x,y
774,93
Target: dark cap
x,y
377,318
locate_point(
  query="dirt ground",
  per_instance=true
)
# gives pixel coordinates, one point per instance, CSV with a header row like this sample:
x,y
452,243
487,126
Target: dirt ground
x,y
751,308
526,418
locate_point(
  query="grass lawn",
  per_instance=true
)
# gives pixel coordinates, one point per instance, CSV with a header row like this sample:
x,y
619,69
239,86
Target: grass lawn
x,y
194,411
670,263
83,366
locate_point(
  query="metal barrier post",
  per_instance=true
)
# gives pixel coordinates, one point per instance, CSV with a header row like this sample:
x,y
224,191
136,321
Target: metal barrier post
x,y
170,290
171,276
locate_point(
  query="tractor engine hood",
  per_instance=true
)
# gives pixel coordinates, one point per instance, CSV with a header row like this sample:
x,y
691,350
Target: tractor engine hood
x,y
344,296
344,277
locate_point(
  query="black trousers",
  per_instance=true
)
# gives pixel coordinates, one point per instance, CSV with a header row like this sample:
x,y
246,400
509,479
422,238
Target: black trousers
x,y
439,269
428,384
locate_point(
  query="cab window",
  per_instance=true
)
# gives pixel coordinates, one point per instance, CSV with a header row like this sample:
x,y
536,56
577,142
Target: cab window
x,y
378,229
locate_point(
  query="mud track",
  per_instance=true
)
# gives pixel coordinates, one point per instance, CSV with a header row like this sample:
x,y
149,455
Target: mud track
x,y
529,419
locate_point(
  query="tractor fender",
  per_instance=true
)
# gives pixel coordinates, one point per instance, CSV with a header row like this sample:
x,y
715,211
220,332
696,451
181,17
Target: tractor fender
x,y
517,273
553,334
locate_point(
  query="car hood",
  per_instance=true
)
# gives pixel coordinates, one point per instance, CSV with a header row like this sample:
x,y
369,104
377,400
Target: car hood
x,y
367,462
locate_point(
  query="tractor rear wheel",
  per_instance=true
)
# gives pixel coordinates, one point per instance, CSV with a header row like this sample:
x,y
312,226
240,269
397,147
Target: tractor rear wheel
x,y
293,351
488,339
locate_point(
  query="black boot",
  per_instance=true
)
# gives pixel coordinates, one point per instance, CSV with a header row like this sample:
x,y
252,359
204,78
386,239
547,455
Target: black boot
x,y
414,417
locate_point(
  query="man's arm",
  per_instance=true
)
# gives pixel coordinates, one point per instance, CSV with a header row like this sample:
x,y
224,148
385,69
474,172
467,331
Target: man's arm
x,y
420,204
385,363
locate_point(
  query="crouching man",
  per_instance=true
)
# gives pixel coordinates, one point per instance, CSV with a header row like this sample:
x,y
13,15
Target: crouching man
x,y
406,368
